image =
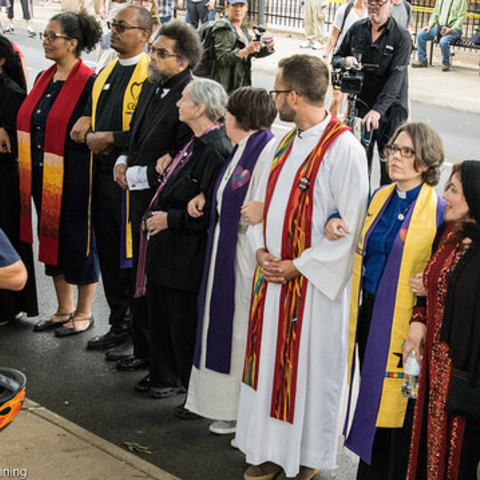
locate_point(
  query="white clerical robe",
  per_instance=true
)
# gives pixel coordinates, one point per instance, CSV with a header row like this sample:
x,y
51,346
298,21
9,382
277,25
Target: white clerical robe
x,y
341,186
212,394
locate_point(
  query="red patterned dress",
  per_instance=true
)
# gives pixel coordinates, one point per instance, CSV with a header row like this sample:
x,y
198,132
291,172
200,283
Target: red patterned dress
x,y
437,450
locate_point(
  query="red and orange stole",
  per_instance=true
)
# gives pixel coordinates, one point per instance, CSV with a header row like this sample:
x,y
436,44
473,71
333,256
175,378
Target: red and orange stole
x,y
296,237
55,135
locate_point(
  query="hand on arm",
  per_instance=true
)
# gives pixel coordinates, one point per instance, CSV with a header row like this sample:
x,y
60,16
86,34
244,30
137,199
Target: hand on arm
x,y
157,222
121,175
417,286
336,228
100,142
163,163
252,212
196,205
80,129
5,145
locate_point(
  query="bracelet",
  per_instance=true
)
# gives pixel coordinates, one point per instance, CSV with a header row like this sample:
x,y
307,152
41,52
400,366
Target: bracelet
x,y
325,56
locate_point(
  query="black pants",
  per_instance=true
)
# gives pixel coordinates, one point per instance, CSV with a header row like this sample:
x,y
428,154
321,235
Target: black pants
x,y
107,221
392,119
25,9
197,12
173,326
139,201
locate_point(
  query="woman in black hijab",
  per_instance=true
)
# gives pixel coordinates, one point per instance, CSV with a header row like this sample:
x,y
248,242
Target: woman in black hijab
x,y
447,414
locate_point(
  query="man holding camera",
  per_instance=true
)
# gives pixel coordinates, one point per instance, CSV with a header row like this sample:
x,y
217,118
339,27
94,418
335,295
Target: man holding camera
x,y
234,47
446,24
381,48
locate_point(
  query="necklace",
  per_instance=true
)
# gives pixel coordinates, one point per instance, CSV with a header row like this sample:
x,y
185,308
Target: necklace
x,y
401,215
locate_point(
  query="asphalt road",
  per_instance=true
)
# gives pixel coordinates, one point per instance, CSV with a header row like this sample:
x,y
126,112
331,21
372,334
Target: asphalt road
x,y
81,386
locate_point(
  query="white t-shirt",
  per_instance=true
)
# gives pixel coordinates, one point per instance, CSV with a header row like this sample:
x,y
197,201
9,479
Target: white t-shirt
x,y
351,19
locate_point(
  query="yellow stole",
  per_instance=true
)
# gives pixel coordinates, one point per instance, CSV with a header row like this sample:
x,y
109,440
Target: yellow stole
x,y
130,100
416,253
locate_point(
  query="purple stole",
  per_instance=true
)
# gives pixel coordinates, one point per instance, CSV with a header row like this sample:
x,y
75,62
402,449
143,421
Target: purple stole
x,y
222,300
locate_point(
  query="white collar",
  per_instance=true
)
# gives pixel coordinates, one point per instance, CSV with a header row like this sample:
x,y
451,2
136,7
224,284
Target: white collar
x,y
128,62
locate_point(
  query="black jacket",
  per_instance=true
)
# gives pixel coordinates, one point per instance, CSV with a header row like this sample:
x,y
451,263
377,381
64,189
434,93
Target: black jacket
x,y
387,85
176,255
11,98
156,129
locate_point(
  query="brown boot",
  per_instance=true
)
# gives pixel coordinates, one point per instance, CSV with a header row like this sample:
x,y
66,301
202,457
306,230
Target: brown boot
x,y
305,473
264,471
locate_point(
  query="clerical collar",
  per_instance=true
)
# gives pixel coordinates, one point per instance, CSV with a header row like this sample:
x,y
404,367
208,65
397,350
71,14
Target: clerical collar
x,y
315,131
410,194
128,62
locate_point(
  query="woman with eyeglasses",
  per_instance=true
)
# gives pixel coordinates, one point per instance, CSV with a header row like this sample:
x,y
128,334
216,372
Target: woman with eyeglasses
x,y
394,247
224,299
173,261
55,171
445,441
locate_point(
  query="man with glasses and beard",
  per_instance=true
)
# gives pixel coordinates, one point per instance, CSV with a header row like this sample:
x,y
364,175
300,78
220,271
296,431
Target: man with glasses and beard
x,y
383,48
105,129
156,132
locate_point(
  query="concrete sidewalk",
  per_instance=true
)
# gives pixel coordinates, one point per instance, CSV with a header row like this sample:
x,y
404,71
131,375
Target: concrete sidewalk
x,y
458,89
40,445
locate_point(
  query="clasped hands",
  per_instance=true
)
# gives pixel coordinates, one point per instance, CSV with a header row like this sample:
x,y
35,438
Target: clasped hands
x,y
274,269
157,222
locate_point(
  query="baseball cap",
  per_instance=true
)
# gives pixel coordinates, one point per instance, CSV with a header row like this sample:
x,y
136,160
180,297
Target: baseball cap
x,y
232,2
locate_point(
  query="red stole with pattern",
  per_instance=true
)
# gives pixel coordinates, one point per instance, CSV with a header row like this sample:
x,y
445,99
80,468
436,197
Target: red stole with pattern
x,y
55,135
296,237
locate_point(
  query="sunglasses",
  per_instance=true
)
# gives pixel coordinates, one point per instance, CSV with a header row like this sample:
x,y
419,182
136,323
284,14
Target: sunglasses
x,y
121,27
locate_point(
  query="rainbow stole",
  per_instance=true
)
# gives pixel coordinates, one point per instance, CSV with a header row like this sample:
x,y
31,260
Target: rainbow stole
x,y
296,238
130,100
53,157
380,403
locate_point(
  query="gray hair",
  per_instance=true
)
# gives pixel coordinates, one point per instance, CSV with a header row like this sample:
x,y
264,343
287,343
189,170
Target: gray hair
x,y
211,95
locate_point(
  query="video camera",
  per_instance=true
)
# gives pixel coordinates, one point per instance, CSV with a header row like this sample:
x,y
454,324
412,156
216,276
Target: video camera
x,y
348,79
259,30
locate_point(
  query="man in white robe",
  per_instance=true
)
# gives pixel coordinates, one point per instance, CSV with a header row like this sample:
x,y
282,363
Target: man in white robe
x,y
298,449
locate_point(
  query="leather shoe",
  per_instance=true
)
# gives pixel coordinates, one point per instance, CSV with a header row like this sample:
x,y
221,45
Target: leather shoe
x,y
143,385
50,324
107,340
121,351
66,332
165,392
131,364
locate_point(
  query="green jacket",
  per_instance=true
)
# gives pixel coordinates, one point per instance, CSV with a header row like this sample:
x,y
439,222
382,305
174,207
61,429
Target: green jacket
x,y
230,70
449,13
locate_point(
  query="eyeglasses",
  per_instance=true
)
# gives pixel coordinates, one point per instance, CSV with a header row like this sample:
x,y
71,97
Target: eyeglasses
x,y
376,3
51,36
121,27
160,52
405,152
275,93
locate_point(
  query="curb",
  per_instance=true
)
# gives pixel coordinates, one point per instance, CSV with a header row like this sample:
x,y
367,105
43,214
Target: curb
x,y
96,442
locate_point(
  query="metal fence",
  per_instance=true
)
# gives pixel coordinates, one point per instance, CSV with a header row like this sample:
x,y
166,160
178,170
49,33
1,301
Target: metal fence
x,y
288,14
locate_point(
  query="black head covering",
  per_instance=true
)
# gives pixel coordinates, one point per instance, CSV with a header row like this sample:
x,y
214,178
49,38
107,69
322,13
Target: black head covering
x,y
470,175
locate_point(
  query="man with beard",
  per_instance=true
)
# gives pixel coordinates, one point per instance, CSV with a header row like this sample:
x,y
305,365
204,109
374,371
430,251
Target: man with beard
x,y
114,99
296,356
156,132
383,48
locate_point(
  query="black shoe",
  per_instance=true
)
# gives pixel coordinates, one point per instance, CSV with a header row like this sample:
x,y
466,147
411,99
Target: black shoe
x,y
184,414
106,341
131,364
66,332
117,353
143,385
165,392
49,324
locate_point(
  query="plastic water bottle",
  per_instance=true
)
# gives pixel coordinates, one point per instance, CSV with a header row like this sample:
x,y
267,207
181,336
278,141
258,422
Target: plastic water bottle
x,y
411,374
